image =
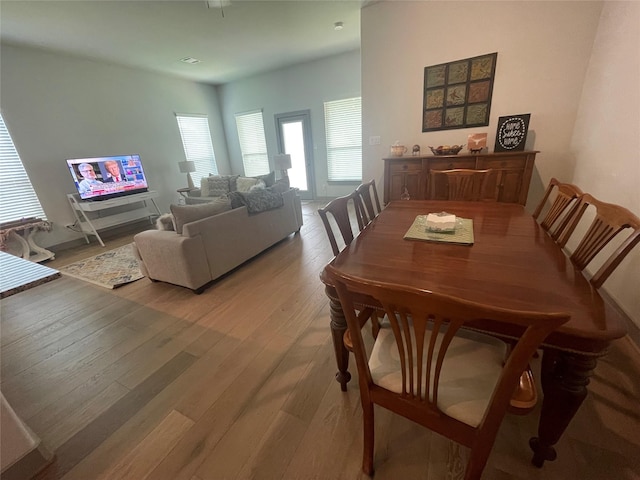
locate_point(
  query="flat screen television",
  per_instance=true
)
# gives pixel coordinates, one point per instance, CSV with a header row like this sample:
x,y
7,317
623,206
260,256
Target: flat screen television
x,y
101,178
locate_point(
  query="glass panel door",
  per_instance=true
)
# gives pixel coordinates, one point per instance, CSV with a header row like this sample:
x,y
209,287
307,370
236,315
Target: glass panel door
x,y
294,138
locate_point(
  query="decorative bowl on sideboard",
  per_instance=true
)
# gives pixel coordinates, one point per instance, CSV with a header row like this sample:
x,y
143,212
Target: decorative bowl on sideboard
x,y
446,149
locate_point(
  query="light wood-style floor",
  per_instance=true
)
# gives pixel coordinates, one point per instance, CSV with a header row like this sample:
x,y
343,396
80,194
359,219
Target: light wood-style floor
x,y
150,381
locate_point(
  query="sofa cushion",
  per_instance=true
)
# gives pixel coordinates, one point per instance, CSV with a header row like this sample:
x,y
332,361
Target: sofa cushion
x,y
245,183
183,214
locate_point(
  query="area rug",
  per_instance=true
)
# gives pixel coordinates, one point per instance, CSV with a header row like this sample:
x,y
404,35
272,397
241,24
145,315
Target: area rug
x,y
110,269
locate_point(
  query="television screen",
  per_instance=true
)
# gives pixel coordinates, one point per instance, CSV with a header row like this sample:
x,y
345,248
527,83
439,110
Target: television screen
x,y
106,177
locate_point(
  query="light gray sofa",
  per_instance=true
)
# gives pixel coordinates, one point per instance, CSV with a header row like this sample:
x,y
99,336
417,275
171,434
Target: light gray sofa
x,y
210,247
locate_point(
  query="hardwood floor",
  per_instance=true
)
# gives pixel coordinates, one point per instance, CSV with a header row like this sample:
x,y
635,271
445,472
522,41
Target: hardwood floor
x,y
150,381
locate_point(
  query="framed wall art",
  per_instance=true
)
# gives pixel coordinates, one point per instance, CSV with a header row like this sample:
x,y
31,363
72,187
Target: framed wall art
x,y
458,94
512,133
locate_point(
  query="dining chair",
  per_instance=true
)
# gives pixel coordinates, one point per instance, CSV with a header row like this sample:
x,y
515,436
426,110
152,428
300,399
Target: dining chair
x,y
609,221
369,198
566,195
426,367
458,184
339,209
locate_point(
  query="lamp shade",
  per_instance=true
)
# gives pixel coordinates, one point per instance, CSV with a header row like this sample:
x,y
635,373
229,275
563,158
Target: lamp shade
x,y
187,167
282,161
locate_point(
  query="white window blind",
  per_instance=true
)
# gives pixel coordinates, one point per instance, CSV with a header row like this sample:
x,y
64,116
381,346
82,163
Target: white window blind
x,y
196,140
252,143
343,125
18,199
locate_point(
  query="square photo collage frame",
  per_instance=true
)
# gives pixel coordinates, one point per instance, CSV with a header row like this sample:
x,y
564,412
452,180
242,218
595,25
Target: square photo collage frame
x,y
458,94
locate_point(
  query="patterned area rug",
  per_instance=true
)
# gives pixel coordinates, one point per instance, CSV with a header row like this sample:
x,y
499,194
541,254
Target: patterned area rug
x,y
110,269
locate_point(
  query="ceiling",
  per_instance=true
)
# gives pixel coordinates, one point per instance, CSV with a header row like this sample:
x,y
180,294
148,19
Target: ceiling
x,y
240,39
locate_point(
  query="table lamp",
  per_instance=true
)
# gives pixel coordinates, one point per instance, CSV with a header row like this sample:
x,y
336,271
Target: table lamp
x,y
282,162
188,167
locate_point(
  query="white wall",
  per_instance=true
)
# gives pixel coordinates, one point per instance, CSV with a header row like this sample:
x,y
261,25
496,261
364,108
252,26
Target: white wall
x,y
606,139
301,87
543,52
58,107
582,96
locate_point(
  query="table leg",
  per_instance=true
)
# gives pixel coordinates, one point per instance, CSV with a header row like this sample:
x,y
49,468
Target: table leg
x,y
24,245
564,378
338,327
42,253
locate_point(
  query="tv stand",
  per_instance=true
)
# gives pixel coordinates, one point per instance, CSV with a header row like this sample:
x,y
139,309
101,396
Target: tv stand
x,y
94,216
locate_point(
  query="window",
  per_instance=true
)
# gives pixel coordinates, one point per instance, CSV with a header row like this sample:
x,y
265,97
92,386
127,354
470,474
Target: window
x,y
252,143
17,197
196,140
343,125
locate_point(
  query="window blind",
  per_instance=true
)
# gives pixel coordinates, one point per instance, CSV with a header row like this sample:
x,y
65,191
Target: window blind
x,y
252,143
196,141
343,126
18,199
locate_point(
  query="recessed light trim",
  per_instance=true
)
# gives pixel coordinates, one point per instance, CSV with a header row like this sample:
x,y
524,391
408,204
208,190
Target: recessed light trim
x,y
190,60
338,26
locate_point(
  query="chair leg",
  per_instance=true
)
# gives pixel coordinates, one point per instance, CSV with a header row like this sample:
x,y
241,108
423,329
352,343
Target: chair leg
x,y
368,440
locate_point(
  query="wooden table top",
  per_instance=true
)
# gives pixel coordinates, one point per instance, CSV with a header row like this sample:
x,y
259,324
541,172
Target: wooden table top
x,y
513,263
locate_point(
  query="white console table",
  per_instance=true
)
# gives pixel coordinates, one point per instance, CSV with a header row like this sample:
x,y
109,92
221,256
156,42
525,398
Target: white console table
x,y
90,224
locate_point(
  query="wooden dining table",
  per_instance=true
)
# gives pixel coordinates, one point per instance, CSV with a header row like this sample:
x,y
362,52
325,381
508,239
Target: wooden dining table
x,y
513,264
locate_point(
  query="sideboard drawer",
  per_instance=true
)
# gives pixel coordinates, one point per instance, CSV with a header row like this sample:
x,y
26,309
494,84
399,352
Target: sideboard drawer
x,y
449,163
405,166
503,163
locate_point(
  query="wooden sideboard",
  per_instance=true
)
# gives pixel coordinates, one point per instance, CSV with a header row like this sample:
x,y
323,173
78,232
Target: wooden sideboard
x,y
509,181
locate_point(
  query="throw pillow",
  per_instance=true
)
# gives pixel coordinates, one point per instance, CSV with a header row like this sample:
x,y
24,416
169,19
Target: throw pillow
x,y
233,183
269,179
261,200
183,214
218,185
258,186
245,183
204,186
236,200
165,222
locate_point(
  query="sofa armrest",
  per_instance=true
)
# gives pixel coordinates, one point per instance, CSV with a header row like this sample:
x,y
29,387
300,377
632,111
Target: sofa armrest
x,y
173,258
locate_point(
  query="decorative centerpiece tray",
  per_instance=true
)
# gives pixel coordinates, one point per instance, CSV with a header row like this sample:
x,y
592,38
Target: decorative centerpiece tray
x,y
461,235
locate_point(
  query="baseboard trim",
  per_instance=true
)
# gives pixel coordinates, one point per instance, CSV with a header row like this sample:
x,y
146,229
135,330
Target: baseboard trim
x,y
132,228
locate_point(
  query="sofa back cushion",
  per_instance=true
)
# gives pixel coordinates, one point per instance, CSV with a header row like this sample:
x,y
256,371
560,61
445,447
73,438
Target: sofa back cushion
x,y
183,214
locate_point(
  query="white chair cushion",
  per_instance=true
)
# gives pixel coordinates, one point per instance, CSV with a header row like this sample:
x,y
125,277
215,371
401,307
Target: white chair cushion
x,y
470,371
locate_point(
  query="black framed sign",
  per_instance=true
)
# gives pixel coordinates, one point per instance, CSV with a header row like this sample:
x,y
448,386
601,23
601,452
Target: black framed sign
x,y
458,94
512,133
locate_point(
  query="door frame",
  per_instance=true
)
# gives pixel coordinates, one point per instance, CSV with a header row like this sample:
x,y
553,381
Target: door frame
x,y
305,117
